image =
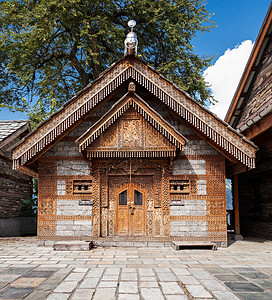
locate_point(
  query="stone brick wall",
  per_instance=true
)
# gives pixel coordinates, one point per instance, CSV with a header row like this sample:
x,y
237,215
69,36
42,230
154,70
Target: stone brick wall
x,y
189,167
63,148
202,187
69,167
15,187
189,228
73,228
62,212
196,215
72,208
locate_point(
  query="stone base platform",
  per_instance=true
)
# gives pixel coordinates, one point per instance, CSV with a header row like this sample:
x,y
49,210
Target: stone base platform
x,y
72,246
135,242
177,245
130,243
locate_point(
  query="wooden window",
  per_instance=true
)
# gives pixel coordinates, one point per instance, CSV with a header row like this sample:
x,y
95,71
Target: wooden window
x,y
123,198
82,187
138,198
180,187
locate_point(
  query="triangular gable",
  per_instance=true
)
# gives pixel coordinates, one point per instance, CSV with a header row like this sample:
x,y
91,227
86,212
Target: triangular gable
x,y
133,68
127,102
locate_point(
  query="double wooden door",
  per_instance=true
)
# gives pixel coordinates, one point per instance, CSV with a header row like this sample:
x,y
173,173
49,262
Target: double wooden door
x,y
130,210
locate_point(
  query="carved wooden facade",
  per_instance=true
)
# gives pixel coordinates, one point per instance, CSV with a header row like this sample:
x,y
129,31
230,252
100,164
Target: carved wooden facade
x,y
132,156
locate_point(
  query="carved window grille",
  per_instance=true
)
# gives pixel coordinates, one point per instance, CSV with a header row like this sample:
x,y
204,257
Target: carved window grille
x,y
178,187
82,187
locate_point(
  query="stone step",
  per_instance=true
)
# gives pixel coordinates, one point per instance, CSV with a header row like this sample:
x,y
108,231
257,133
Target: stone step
x,y
130,243
72,246
177,245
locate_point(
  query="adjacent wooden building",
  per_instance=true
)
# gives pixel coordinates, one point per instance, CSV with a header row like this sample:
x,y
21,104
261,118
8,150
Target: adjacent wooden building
x,y
251,114
15,187
133,157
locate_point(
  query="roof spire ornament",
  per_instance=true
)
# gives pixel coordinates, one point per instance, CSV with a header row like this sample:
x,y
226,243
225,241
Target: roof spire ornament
x,y
131,41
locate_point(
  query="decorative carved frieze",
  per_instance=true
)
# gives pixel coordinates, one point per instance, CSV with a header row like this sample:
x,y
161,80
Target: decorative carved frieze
x,y
131,129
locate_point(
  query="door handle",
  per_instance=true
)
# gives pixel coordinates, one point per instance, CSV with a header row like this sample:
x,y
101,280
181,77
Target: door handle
x,y
131,211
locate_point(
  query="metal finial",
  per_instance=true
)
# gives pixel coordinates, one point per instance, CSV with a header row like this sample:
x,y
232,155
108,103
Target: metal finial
x,y
131,41
131,24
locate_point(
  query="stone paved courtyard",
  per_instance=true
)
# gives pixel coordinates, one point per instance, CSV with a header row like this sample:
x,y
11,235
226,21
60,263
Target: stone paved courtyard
x,y
241,271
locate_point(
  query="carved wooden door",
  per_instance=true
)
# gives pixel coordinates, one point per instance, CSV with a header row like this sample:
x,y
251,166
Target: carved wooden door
x,y
130,210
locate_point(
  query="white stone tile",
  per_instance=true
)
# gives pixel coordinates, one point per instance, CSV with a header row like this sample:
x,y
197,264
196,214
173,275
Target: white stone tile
x,y
151,294
105,294
58,296
65,287
213,285
83,294
171,288
198,291
89,282
127,287
225,295
128,297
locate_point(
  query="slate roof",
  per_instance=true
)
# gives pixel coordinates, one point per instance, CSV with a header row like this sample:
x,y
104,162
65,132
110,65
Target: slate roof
x,y
9,127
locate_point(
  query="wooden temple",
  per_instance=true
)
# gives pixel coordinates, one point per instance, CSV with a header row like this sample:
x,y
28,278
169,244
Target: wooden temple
x,y
133,157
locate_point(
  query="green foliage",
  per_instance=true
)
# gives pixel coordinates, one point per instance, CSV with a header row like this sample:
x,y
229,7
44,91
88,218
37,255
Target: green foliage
x,y
51,49
29,206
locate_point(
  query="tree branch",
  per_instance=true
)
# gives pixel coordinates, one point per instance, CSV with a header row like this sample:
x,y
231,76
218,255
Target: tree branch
x,y
85,77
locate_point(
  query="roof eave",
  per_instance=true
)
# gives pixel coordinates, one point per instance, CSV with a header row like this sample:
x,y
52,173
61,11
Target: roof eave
x,y
250,64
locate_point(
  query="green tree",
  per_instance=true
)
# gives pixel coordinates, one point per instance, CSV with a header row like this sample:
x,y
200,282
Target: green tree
x,y
50,49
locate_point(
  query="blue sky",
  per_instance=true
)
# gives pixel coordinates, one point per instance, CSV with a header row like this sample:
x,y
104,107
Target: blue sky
x,y
237,21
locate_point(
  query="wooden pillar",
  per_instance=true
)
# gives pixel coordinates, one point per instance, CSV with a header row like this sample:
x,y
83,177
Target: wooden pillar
x,y
236,204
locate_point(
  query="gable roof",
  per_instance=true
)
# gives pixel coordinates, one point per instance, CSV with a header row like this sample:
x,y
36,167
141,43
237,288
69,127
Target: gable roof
x,y
126,102
239,100
9,130
133,68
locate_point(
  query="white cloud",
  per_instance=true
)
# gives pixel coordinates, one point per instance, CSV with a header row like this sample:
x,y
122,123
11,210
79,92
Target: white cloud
x,y
225,74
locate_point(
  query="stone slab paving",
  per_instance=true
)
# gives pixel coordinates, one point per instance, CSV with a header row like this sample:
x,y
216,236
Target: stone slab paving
x,y
241,271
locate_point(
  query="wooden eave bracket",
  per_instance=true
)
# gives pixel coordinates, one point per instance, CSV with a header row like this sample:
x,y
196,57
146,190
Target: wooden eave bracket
x,y
151,116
